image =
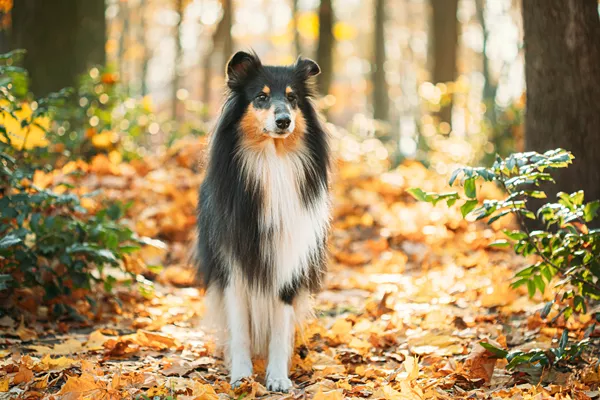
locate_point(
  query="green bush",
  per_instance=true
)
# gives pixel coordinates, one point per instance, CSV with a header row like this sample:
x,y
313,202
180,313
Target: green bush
x,y
568,252
47,240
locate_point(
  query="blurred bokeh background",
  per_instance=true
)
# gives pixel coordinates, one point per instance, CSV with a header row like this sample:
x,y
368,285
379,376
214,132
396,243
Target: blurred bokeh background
x,y
423,76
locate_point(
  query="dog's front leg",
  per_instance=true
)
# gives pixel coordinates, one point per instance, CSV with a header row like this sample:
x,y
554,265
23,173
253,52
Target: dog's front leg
x,y
239,334
280,348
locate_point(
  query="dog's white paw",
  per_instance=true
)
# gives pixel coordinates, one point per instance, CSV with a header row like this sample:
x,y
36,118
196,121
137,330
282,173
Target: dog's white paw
x,y
236,381
239,372
279,384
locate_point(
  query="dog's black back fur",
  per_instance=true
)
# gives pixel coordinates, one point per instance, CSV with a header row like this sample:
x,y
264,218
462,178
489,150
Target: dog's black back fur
x,y
229,208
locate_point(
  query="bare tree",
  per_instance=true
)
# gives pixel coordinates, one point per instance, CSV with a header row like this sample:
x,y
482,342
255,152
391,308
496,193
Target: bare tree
x,y
147,50
325,45
297,43
221,38
380,88
444,38
177,62
562,72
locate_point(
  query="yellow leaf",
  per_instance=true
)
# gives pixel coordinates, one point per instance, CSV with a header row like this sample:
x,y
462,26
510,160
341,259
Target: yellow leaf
x,y
52,364
25,334
82,387
96,341
71,346
329,395
29,137
204,392
4,383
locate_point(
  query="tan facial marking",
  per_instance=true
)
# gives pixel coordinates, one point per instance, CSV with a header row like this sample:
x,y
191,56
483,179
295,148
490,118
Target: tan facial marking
x,y
252,125
288,90
266,89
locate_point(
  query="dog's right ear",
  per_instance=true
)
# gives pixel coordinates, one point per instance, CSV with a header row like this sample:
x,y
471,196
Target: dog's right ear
x,y
241,66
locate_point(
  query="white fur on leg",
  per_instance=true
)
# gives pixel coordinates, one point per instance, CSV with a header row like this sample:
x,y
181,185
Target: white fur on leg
x,y
239,332
280,348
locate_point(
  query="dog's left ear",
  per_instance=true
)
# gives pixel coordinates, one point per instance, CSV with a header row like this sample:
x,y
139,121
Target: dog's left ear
x,y
307,67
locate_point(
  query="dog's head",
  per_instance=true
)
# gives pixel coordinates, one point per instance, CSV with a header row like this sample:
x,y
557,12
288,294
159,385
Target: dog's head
x,y
274,95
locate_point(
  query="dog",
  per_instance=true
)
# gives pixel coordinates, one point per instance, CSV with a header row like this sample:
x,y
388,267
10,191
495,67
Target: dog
x,y
264,213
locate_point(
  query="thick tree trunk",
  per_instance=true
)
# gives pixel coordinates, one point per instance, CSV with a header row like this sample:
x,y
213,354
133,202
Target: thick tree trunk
x,y
325,46
562,70
63,38
380,89
444,38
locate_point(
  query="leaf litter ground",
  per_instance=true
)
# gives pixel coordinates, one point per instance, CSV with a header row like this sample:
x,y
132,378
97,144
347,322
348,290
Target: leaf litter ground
x,y
412,290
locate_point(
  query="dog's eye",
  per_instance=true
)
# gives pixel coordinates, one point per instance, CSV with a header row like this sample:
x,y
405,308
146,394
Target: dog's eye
x,y
262,97
292,98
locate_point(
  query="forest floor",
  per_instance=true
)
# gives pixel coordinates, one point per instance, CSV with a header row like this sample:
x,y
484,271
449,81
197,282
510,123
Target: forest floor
x,y
411,291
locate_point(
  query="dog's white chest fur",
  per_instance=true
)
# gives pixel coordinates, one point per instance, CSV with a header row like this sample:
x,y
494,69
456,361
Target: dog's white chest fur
x,y
293,230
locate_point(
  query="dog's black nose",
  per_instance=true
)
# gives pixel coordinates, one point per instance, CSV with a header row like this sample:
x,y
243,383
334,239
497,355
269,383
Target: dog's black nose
x,y
283,122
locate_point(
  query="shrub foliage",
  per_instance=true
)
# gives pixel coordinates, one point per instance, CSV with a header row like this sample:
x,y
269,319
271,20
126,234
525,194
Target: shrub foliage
x,y
47,240
568,252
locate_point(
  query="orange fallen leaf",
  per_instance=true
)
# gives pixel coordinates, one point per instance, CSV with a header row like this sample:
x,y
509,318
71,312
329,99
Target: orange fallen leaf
x,y
82,387
24,375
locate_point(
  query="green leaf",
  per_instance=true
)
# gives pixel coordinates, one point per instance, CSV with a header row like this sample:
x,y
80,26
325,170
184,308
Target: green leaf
x,y
590,210
547,308
564,339
454,176
417,194
500,353
468,207
500,243
9,240
539,283
515,235
531,287
470,189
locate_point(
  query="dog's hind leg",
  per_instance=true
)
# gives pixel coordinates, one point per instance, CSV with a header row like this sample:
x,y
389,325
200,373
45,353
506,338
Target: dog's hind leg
x,y
236,307
280,347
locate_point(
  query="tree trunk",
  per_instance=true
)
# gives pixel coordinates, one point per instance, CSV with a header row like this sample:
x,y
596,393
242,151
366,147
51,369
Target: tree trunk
x,y
121,59
297,43
226,33
325,46
444,38
147,49
489,88
221,37
63,39
380,90
562,72
176,62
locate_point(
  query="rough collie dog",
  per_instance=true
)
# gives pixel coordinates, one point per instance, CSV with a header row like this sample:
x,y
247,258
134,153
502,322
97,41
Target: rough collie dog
x,y
264,213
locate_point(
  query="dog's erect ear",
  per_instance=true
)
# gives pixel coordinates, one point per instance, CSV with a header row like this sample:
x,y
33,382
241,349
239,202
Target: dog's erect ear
x,y
240,66
307,67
